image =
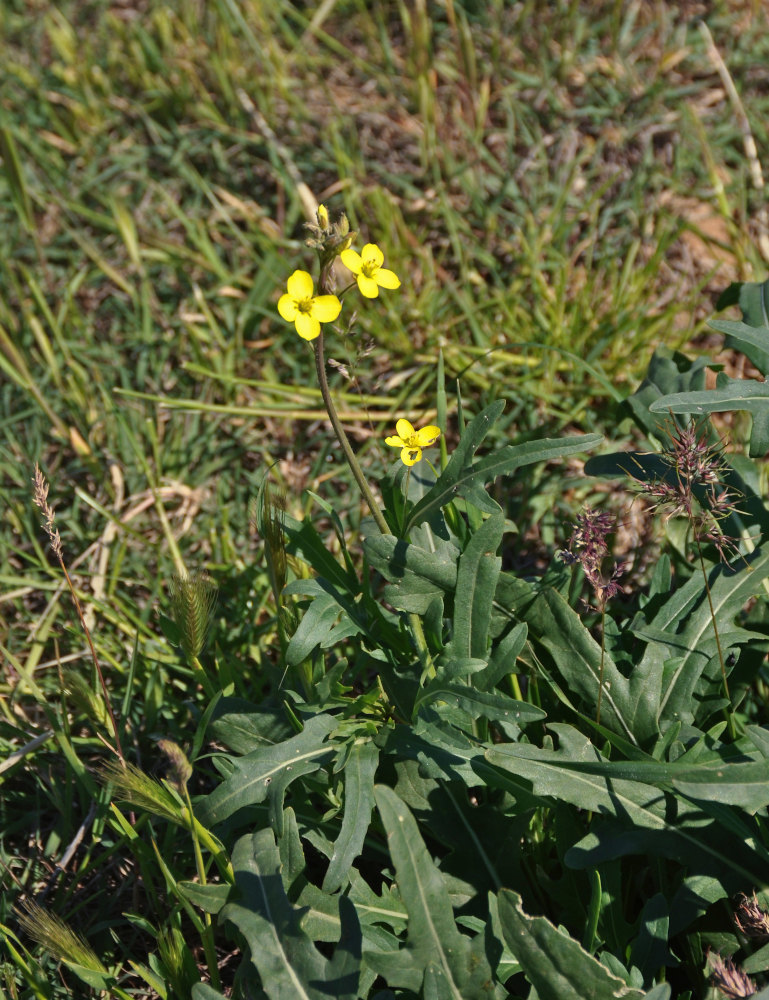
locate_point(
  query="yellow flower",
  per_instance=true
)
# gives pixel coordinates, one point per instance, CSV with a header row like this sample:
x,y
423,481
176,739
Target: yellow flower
x,y
412,442
368,270
306,311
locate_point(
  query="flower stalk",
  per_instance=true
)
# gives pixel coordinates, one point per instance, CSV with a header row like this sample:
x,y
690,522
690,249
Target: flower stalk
x,y
588,546
326,286
40,497
428,668
344,441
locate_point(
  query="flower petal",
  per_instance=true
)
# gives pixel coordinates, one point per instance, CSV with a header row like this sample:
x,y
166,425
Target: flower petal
x,y
326,308
368,286
307,326
426,436
395,442
351,259
410,456
387,279
371,254
299,285
405,430
287,307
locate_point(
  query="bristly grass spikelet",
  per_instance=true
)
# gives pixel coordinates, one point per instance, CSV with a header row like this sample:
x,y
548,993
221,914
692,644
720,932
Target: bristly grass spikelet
x,y
271,523
87,699
179,768
59,940
193,600
57,937
132,785
267,518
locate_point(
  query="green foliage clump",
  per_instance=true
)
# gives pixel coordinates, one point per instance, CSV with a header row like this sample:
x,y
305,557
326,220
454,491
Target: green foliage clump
x,y
448,747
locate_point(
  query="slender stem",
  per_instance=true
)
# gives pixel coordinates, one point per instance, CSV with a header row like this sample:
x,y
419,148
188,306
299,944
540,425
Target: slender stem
x,y
105,693
428,668
209,841
405,499
727,711
603,657
349,454
205,682
594,911
208,939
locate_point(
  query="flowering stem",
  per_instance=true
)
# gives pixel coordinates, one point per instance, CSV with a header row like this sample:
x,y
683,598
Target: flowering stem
x,y
40,498
105,693
428,668
727,711
600,669
349,454
406,498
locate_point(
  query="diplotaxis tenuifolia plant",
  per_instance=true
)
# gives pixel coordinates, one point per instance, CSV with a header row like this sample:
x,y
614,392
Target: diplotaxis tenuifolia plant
x,y
441,784
315,802
407,710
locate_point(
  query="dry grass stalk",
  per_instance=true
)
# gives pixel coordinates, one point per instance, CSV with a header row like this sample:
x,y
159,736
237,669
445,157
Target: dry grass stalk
x,y
40,498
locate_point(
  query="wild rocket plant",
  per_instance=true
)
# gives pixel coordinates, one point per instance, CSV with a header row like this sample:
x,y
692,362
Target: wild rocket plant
x,y
425,776
406,710
388,764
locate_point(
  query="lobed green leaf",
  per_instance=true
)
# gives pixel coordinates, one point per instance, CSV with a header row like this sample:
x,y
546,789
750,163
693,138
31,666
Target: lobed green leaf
x,y
268,771
556,965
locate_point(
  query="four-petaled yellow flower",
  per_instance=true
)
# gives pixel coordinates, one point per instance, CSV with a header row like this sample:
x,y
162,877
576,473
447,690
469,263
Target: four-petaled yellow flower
x,y
306,311
368,270
412,442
